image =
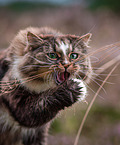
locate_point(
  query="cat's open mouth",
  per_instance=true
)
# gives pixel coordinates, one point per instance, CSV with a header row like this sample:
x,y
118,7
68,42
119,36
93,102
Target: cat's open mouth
x,y
61,77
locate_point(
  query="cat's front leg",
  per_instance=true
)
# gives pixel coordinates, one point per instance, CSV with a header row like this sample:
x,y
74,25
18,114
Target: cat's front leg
x,y
77,85
64,96
70,92
36,136
67,94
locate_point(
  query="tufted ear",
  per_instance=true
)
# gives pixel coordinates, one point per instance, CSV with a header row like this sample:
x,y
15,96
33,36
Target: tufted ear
x,y
33,39
33,42
86,38
82,40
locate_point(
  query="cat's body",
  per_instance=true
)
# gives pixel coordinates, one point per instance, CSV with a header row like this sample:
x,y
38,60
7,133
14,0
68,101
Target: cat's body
x,y
41,73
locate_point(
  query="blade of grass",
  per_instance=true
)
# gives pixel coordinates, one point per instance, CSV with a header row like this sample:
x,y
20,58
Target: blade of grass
x,y
91,103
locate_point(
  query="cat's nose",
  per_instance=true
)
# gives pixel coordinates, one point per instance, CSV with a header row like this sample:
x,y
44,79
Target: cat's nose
x,y
66,66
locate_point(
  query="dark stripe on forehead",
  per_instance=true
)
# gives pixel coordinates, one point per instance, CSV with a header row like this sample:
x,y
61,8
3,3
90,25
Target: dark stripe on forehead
x,y
57,43
62,40
53,44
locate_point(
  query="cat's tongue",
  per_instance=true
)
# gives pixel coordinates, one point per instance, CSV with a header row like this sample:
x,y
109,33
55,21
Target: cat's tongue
x,y
62,76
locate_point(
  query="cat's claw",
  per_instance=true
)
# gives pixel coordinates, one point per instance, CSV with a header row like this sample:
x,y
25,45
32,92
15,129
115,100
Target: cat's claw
x,y
82,90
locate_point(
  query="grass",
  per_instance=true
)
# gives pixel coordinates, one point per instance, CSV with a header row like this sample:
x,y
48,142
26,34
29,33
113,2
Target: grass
x,y
69,123
101,126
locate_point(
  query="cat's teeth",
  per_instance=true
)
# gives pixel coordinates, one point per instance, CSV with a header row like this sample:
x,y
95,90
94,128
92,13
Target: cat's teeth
x,y
83,90
62,76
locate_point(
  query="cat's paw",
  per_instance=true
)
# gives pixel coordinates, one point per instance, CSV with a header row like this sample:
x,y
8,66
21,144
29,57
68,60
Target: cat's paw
x,y
70,92
78,89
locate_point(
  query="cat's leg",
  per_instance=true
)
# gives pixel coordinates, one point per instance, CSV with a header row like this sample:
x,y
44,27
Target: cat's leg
x,y
9,139
36,136
32,110
72,91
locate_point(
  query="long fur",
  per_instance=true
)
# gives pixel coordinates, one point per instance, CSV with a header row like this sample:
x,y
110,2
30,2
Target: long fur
x,y
34,86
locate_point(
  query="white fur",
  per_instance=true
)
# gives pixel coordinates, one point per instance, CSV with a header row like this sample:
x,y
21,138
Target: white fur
x,y
30,85
64,48
83,91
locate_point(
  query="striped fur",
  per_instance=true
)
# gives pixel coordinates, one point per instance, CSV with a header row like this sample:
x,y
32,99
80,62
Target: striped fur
x,y
39,77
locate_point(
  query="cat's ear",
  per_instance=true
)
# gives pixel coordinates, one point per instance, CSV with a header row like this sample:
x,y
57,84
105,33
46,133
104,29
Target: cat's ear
x,y
33,39
86,38
80,40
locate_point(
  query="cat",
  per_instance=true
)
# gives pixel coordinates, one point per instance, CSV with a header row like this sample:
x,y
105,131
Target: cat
x,y
42,72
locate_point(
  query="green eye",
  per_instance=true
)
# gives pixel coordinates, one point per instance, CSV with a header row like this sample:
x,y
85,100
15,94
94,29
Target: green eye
x,y
73,56
53,55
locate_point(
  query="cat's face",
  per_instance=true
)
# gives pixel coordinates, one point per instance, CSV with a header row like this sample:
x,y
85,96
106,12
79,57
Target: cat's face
x,y
51,60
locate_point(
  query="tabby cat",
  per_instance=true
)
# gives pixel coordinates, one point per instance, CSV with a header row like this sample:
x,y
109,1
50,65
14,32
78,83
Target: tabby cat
x,y
41,73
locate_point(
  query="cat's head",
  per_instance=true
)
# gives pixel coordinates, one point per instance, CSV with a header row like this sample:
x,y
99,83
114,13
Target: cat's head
x,y
49,59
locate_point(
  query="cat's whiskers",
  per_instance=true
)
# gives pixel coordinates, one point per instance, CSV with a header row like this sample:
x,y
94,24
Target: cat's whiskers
x,y
56,70
8,87
27,79
107,56
94,81
52,62
99,78
38,66
52,66
89,86
96,68
94,61
48,79
102,80
105,74
39,61
113,46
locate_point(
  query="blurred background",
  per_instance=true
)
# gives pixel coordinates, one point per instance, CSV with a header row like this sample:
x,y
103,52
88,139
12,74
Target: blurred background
x,y
102,19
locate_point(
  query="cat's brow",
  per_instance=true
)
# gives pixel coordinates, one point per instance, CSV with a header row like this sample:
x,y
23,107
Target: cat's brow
x,y
63,45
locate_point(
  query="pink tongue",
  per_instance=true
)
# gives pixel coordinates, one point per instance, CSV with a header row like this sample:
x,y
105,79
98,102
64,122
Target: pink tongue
x,y
61,77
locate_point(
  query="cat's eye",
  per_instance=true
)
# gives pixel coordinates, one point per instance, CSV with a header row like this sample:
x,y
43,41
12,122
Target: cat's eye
x,y
52,55
73,56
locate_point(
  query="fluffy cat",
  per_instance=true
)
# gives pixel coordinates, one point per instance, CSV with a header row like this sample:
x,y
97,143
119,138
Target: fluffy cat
x,y
42,72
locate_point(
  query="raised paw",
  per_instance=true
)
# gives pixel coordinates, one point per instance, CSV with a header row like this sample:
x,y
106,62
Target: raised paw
x,y
78,89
